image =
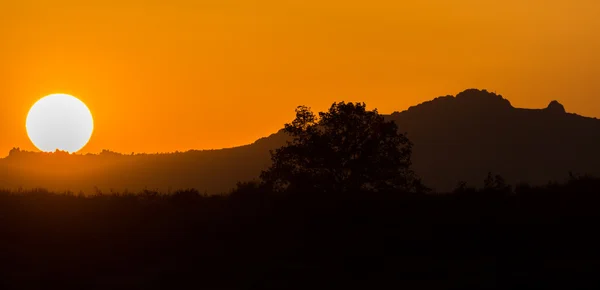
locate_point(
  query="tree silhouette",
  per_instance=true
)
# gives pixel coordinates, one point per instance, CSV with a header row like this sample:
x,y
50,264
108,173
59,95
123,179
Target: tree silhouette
x,y
348,148
496,184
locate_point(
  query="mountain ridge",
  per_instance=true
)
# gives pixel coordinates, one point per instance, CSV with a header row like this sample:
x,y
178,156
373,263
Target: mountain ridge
x,y
456,138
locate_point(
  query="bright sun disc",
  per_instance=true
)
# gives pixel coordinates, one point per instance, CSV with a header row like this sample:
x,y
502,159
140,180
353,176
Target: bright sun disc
x,y
60,122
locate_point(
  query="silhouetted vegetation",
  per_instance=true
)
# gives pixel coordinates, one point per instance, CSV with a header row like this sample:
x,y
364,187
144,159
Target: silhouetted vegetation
x,y
487,237
347,148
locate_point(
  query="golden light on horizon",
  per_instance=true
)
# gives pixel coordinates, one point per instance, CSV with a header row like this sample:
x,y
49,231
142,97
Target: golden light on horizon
x,y
59,122
196,75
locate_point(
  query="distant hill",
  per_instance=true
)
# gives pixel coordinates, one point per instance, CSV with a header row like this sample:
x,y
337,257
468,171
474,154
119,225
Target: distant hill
x,y
464,137
455,139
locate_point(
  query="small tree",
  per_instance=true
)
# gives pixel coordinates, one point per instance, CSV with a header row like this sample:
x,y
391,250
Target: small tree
x,y
496,184
347,148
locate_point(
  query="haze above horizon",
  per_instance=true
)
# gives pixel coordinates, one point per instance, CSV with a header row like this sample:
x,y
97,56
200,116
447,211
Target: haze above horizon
x,y
187,75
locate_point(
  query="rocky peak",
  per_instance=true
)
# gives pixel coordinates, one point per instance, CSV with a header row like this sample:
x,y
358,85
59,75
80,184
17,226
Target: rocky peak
x,y
483,99
556,107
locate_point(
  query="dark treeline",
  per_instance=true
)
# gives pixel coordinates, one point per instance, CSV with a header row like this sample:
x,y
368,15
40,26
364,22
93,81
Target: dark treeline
x,y
340,207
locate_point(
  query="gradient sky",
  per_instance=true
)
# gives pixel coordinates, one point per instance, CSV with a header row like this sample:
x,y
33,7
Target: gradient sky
x,y
161,76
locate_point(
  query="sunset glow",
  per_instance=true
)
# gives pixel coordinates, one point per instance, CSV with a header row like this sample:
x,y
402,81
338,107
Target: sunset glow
x,y
175,75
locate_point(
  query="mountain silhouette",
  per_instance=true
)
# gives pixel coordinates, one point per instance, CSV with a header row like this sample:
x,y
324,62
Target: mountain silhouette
x,y
461,138
456,139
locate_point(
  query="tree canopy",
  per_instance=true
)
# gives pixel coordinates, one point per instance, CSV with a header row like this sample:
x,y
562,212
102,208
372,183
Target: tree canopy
x,y
347,148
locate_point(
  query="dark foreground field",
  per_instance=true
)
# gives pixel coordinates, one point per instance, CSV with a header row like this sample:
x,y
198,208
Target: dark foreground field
x,y
532,238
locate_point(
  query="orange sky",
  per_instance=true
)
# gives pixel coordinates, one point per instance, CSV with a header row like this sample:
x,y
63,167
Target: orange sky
x,y
161,76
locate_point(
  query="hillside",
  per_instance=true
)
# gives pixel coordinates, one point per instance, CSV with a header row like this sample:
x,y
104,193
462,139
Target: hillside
x,y
462,138
455,139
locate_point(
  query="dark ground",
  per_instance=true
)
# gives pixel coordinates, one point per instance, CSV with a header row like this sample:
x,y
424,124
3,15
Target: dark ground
x,y
534,238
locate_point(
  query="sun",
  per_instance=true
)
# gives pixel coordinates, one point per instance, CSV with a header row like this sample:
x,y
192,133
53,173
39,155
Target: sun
x,y
59,121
